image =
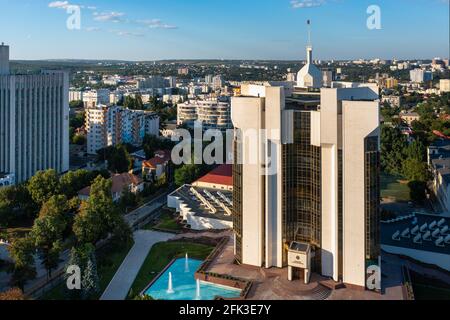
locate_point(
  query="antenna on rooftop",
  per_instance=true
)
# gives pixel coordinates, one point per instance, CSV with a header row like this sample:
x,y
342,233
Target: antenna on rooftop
x,y
309,32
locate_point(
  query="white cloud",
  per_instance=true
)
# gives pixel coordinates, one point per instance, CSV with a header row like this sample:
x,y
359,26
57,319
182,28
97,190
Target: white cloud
x,y
66,4
300,4
109,16
59,4
92,29
126,33
157,24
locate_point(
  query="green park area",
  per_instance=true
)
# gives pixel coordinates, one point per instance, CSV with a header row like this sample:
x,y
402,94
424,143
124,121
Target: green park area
x,y
394,187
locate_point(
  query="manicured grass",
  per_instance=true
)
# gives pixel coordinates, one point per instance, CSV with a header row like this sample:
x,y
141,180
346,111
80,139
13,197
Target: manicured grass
x,y
160,256
166,221
109,259
394,187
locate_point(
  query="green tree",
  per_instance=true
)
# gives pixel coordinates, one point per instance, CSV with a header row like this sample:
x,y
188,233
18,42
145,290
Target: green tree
x,y
23,270
74,181
128,198
48,229
15,204
90,280
152,143
393,144
129,103
120,160
43,185
79,140
76,104
98,216
187,174
415,170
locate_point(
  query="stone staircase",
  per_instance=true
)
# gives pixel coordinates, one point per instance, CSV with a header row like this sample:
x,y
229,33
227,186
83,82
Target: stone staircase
x,y
320,292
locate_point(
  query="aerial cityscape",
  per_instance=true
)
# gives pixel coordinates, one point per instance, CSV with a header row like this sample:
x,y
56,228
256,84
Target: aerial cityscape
x,y
300,153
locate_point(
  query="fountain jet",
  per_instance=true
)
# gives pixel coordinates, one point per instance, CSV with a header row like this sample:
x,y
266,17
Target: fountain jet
x,y
186,264
170,288
198,295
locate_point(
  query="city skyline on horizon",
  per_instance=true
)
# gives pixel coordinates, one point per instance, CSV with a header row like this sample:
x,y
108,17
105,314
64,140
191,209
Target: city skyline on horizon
x,y
126,32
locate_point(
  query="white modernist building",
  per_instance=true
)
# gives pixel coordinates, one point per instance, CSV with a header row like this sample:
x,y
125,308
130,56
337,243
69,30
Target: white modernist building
x,y
34,121
311,177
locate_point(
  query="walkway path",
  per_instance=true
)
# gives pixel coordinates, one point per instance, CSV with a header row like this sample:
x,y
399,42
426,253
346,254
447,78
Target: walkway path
x,y
123,279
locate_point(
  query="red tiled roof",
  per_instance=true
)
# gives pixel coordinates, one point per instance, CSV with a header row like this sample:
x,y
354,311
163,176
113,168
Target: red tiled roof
x,y
222,175
119,181
160,158
440,135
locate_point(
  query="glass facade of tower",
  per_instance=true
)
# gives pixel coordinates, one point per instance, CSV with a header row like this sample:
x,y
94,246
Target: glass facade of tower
x,y
237,198
301,167
372,197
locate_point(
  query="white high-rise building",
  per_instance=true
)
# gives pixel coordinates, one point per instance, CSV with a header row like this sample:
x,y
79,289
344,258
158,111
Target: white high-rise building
x,y
34,121
306,171
420,75
217,82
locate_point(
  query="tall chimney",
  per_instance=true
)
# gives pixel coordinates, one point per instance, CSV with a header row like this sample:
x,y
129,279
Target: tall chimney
x,y
4,59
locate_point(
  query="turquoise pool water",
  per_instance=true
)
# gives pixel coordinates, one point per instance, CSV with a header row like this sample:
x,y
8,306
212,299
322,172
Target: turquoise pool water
x,y
185,285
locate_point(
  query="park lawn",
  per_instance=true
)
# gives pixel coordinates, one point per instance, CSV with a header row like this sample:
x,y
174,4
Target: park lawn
x,y
160,256
109,259
395,187
166,221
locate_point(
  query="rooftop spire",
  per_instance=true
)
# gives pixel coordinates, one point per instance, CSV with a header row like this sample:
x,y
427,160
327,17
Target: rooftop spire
x,y
309,33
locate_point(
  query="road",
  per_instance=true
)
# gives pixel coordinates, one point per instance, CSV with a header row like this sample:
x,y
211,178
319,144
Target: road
x,y
146,211
122,281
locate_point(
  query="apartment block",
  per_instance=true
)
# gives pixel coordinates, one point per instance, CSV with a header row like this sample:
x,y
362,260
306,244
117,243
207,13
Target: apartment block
x,y
109,126
34,121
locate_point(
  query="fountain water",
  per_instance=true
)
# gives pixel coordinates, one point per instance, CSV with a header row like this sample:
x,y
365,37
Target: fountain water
x,y
170,288
186,264
198,295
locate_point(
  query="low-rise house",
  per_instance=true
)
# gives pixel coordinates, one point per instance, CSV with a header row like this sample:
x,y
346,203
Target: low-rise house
x,y
120,182
409,117
155,168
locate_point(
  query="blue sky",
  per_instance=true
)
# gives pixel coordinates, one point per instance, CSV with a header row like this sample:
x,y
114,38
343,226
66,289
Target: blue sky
x,y
224,29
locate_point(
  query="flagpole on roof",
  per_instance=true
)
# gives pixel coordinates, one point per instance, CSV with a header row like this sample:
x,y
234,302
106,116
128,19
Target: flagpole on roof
x,y
309,32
